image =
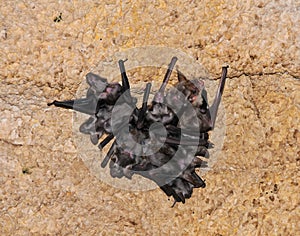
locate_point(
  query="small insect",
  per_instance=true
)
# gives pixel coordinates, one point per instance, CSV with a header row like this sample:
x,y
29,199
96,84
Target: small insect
x,y
58,18
163,140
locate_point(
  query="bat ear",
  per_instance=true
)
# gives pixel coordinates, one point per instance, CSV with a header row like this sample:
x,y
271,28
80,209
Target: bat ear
x,y
96,82
181,77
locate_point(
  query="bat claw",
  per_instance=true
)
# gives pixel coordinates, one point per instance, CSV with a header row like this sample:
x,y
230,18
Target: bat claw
x,y
51,103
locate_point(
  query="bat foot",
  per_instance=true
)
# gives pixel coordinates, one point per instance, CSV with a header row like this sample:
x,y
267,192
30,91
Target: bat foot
x,y
51,103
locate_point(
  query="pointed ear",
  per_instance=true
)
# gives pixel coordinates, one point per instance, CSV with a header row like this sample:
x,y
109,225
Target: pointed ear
x,y
181,77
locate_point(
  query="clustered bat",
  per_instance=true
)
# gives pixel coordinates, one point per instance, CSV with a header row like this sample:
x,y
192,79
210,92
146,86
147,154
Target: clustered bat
x,y
162,140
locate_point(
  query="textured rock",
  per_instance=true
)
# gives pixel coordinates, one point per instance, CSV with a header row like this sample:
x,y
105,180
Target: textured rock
x,y
254,186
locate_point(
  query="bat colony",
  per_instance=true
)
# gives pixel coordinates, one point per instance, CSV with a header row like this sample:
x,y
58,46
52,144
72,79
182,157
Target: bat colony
x,y
163,140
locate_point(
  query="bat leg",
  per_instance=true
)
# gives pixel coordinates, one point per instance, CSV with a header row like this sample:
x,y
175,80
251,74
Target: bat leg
x,y
143,110
174,203
105,141
213,110
168,74
83,105
108,155
125,82
160,94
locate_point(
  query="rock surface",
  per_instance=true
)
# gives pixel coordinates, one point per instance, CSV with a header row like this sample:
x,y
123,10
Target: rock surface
x,y
253,188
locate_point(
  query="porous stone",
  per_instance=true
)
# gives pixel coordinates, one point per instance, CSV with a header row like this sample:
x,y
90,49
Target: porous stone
x,y
46,188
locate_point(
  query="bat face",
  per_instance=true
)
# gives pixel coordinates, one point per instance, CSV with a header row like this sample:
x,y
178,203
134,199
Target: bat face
x,y
162,140
191,89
